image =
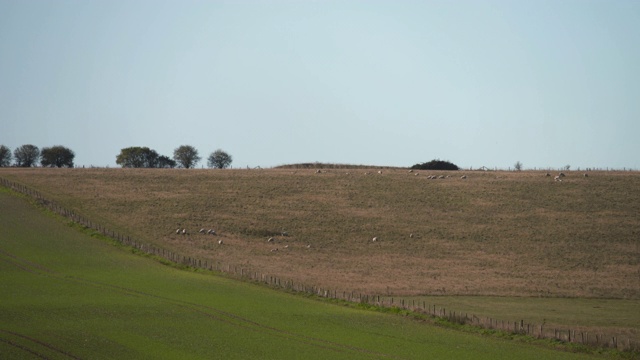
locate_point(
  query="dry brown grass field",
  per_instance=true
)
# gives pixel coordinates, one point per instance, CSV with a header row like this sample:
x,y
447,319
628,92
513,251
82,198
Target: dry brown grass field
x,y
492,234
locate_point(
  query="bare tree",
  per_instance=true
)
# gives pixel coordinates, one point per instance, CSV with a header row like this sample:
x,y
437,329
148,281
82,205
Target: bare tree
x,y
517,166
186,156
5,156
26,155
219,159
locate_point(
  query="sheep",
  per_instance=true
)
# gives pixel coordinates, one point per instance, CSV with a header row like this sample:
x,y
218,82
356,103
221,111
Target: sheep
x,y
411,236
586,175
286,246
201,231
274,250
557,178
548,174
318,171
308,246
410,171
379,172
463,177
270,239
212,232
184,231
561,175
375,238
178,231
220,242
284,233
441,177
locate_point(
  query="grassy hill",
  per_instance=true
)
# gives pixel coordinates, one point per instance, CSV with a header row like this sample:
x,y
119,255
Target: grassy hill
x,y
494,235
67,294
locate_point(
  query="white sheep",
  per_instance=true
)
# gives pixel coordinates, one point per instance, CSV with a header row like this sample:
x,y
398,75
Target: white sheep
x,y
219,242
211,231
557,178
270,239
178,231
463,177
201,231
375,238
184,231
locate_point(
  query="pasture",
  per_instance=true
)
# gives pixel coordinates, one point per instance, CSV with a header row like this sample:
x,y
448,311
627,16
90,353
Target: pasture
x,y
66,294
517,235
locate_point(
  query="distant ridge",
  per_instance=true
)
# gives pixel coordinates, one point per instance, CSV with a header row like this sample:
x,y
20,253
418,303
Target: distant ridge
x,y
319,165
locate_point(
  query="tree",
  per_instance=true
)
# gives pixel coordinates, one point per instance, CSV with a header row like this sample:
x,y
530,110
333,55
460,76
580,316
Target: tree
x,y
435,165
186,156
5,156
517,166
219,159
58,156
26,155
137,157
166,162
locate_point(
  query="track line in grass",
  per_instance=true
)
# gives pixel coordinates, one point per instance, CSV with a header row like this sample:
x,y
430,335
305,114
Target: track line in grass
x,y
238,321
23,348
24,264
36,341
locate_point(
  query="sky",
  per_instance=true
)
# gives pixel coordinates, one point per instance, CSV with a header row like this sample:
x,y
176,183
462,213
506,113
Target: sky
x,y
385,83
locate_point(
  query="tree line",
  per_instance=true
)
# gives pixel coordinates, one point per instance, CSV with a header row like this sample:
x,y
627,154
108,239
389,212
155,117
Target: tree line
x,y
184,156
29,155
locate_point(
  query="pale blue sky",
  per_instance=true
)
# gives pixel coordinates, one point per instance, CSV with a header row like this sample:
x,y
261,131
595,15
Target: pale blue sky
x,y
478,83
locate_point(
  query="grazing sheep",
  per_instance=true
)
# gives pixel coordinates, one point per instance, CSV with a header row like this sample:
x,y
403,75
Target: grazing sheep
x,y
379,172
410,171
586,175
219,242
557,178
178,231
561,175
548,174
274,250
211,231
201,231
318,171
286,246
270,239
441,177
463,177
308,246
284,233
411,236
416,174
184,231
374,239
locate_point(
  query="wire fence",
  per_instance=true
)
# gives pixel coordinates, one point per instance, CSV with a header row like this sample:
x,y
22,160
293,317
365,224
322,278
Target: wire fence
x,y
595,339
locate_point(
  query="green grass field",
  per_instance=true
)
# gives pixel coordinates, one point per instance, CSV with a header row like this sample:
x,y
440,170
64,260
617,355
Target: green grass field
x,y
67,295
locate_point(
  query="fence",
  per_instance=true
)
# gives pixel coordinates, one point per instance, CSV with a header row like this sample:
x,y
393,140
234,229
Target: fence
x,y
615,341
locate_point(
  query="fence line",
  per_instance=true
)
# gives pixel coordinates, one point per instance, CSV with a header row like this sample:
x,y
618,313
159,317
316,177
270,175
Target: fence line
x,y
516,327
